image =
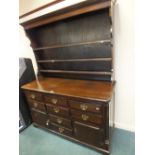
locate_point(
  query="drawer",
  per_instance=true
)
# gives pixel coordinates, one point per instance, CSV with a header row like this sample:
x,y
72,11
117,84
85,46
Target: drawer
x,y
57,110
34,96
60,129
89,134
87,117
37,105
56,100
90,107
60,121
40,118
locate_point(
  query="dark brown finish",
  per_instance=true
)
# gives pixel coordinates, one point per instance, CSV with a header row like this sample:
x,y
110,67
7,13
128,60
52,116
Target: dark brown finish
x,y
40,118
94,90
89,134
56,100
83,7
87,117
57,110
37,105
40,8
31,95
60,129
61,121
86,106
76,54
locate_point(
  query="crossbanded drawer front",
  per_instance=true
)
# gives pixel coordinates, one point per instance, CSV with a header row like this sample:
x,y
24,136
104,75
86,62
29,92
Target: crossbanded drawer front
x,y
56,100
40,118
37,105
60,121
57,110
60,129
33,96
87,117
89,134
90,107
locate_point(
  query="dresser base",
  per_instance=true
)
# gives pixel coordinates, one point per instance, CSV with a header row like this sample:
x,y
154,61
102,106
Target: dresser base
x,y
71,138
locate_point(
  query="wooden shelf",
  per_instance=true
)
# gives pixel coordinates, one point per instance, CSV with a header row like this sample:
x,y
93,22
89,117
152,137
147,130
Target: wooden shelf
x,y
74,60
77,72
73,44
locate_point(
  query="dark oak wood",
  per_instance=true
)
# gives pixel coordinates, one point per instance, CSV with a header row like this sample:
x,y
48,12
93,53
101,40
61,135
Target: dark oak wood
x,y
94,90
86,106
81,8
61,121
74,93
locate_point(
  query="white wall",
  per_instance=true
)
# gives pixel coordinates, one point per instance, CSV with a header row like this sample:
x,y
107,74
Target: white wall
x,y
124,62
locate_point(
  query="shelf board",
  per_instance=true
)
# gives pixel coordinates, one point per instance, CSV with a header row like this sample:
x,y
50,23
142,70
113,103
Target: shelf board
x,y
77,72
74,60
73,44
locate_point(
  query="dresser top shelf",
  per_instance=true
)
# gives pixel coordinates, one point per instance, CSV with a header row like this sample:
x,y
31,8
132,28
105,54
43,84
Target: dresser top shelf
x,y
94,90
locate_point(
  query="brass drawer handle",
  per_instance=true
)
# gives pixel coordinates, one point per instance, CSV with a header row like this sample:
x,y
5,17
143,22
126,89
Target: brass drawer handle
x,y
83,107
61,130
56,109
97,108
85,117
35,104
59,120
47,122
54,100
33,96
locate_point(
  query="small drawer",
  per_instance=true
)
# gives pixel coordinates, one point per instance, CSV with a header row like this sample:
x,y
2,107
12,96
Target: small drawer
x,y
56,100
87,117
89,134
60,129
57,110
40,118
37,105
60,121
90,107
33,96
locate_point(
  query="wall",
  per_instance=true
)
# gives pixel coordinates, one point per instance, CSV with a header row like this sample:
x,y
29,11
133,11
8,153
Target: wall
x,y
124,62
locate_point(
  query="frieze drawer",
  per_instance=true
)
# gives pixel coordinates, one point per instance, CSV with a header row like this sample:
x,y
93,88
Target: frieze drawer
x,y
57,110
84,106
87,117
56,100
61,121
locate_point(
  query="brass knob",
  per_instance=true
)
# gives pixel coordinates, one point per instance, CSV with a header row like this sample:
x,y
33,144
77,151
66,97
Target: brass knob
x,y
56,109
35,104
47,122
83,107
54,100
33,96
97,108
61,130
85,117
59,120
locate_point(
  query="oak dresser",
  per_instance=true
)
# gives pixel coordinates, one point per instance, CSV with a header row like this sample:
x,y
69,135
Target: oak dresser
x,y
74,91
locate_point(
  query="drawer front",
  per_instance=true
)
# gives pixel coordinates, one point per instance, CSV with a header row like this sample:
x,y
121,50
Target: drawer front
x,y
90,107
34,96
89,134
87,117
40,118
56,100
37,105
60,111
60,129
60,121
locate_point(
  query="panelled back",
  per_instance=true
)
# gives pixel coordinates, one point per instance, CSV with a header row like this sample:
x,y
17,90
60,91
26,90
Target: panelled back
x,y
77,47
